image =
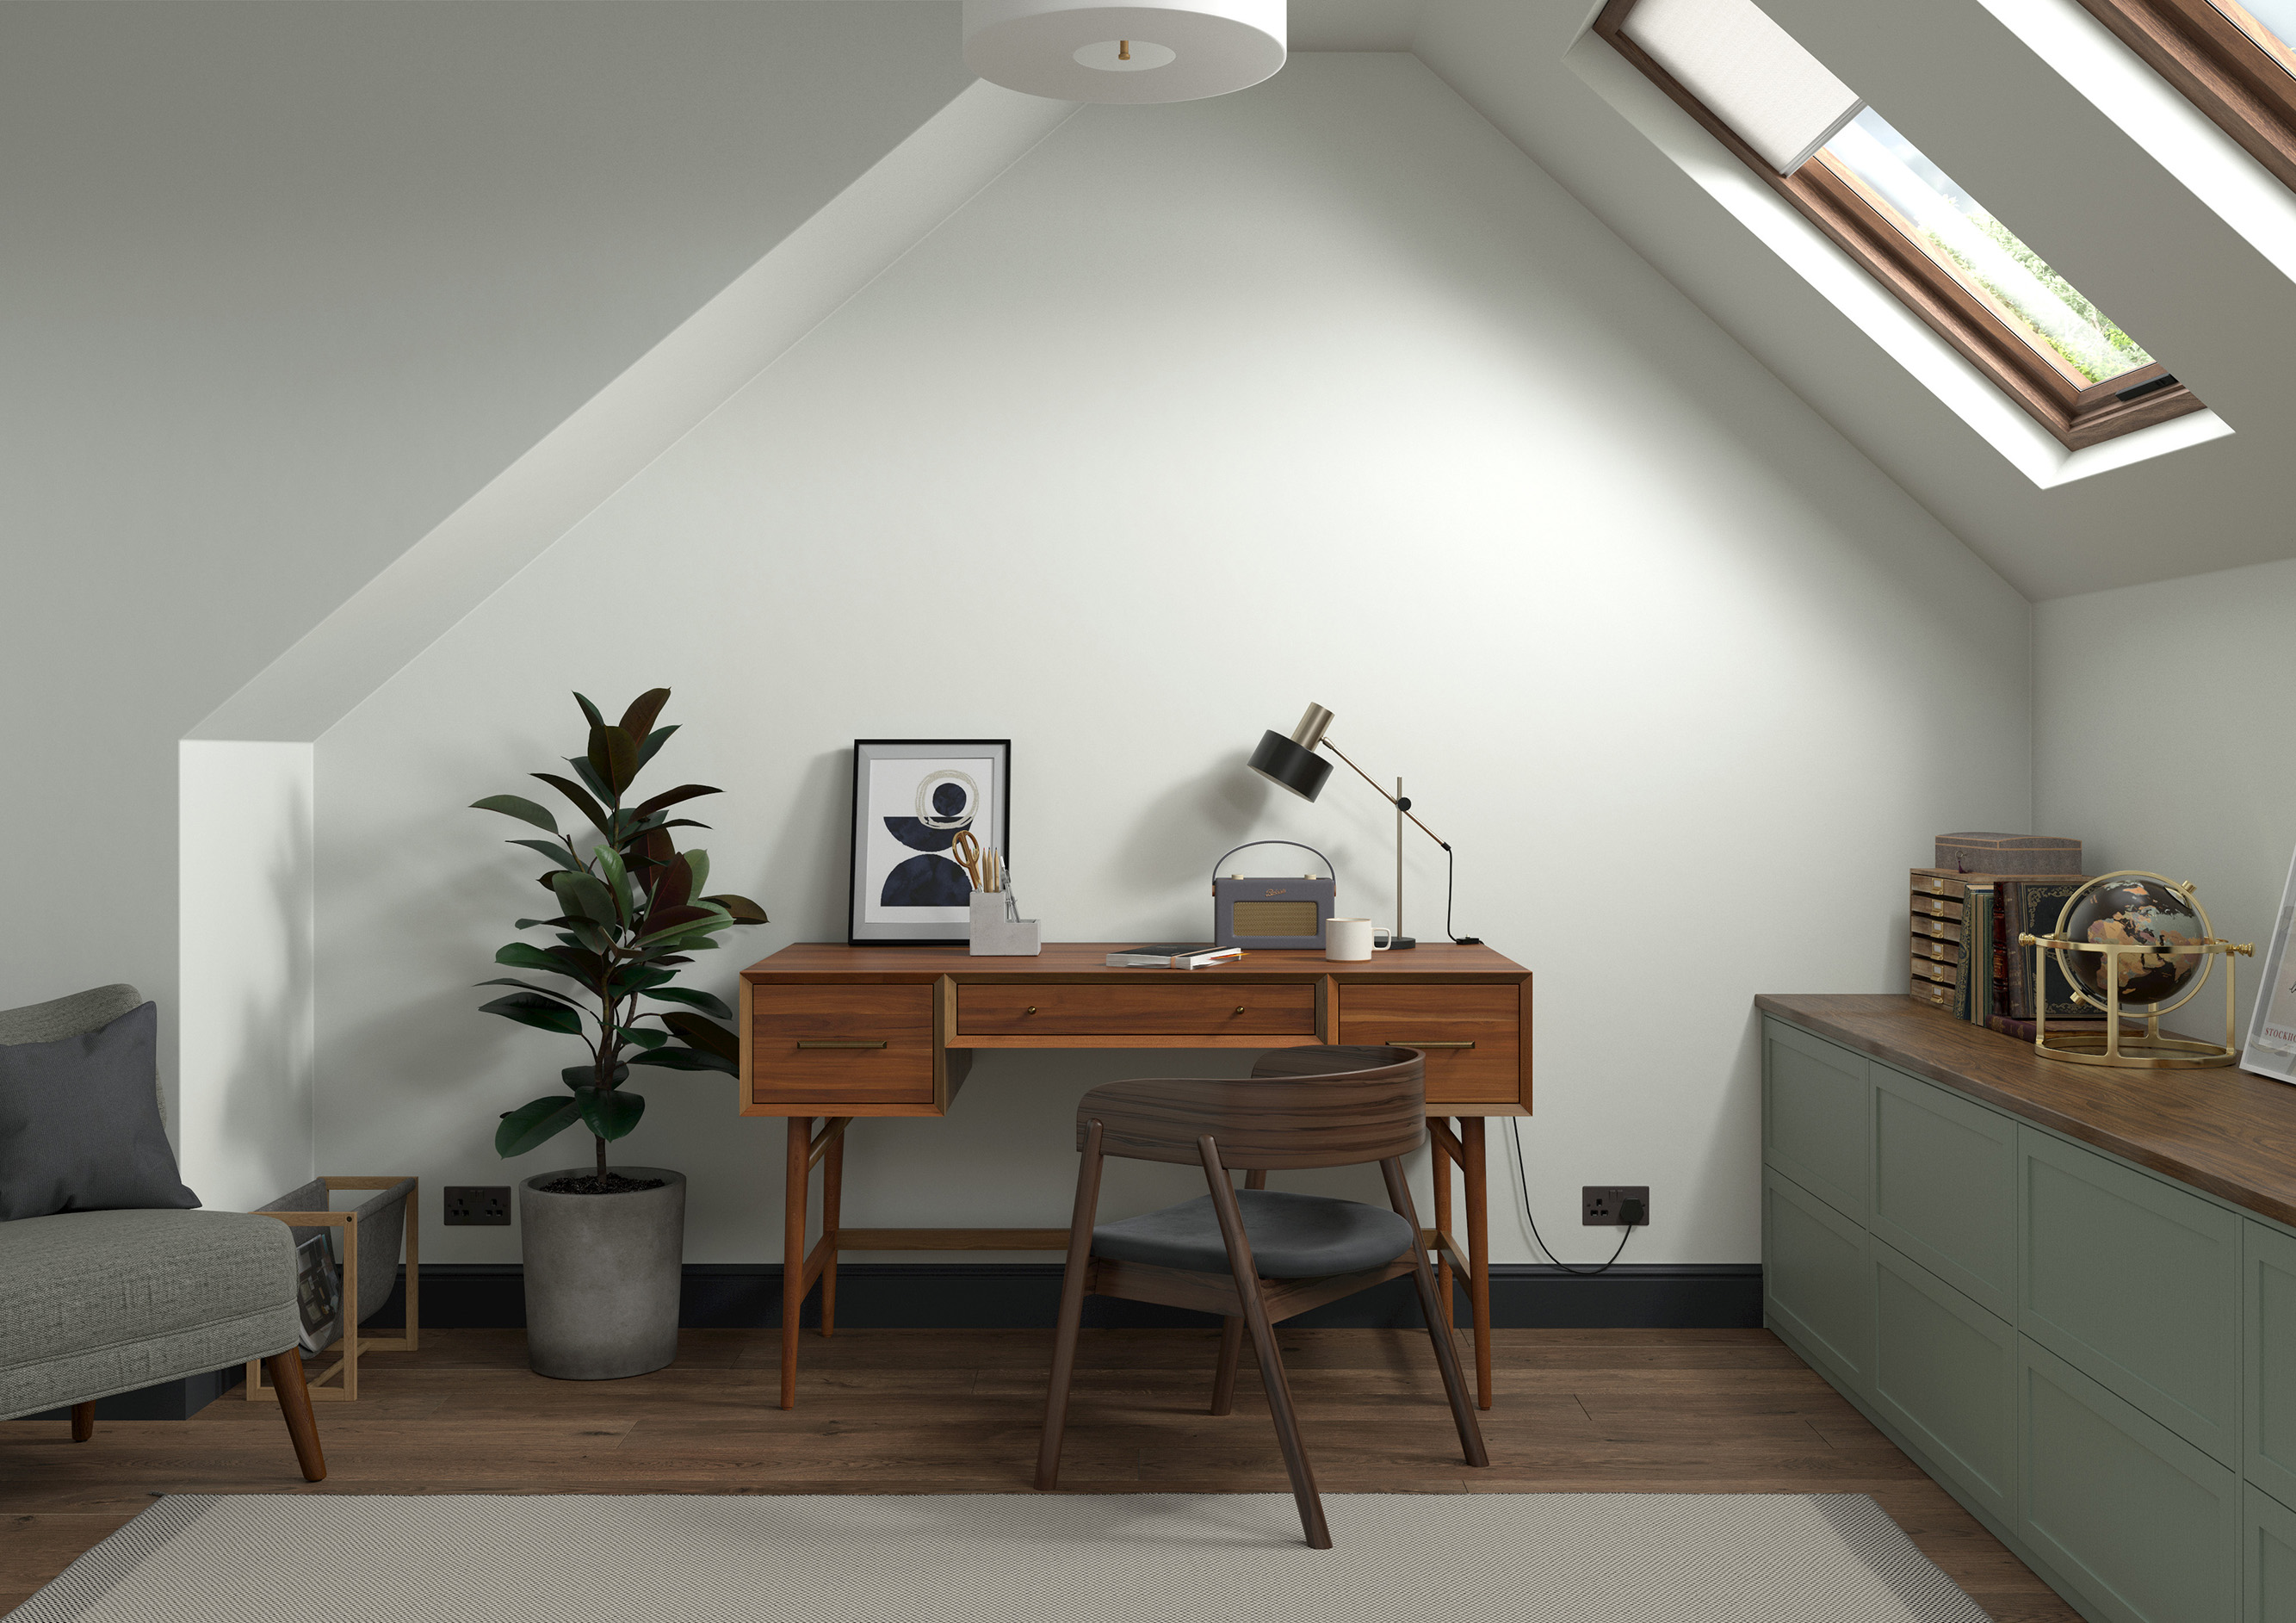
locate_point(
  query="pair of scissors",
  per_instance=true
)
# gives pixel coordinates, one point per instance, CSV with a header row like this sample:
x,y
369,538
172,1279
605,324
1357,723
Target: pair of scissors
x,y
966,849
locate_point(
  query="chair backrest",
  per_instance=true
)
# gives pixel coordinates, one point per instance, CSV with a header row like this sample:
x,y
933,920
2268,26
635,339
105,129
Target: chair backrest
x,y
62,1017
1300,1107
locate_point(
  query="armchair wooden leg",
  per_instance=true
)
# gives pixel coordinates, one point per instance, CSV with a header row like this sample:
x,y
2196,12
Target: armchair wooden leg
x,y
83,1422
1064,1343
1230,1355
1446,1356
286,1371
1263,1345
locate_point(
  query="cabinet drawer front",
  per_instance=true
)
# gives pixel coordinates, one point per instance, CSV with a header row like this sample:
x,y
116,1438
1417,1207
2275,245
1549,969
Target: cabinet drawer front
x,y
1173,1008
1946,1371
2268,1452
788,1068
1488,1017
1944,1187
1817,1285
2146,1526
2135,1283
1815,1116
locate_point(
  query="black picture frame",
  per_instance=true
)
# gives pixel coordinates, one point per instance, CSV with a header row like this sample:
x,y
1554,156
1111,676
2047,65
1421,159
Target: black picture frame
x,y
887,771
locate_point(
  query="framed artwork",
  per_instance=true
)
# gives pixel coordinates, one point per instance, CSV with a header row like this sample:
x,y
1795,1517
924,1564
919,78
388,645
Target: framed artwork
x,y
2271,1047
912,797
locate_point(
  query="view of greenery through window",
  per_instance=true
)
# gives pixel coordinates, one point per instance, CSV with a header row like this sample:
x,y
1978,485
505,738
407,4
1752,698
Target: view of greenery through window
x,y
1985,256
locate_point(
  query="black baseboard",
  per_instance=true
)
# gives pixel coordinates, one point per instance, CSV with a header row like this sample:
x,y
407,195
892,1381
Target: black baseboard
x,y
1026,1295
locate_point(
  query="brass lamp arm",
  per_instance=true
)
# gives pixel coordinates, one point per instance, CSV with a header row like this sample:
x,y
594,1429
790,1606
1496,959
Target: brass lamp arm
x,y
1326,742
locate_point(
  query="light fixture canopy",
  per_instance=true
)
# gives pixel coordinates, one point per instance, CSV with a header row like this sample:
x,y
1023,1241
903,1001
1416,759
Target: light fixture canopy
x,y
1148,50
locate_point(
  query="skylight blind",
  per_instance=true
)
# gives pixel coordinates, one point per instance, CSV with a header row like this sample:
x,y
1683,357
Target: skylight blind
x,y
1749,72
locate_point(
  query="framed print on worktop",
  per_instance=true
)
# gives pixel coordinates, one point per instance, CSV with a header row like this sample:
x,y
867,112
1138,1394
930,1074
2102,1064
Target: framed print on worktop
x,y
912,797
2271,1047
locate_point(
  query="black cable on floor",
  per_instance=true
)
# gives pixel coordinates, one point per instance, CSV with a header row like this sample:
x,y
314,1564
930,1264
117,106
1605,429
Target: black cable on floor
x,y
1522,1179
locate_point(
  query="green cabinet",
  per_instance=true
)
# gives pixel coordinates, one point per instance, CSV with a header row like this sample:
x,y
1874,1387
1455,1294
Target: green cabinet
x,y
1945,1370
1814,1277
2137,1281
2267,1558
2268,1356
1943,1186
2143,1523
1815,1116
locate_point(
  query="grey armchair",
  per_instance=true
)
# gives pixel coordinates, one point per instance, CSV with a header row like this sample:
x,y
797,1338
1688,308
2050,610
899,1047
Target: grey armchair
x,y
102,1302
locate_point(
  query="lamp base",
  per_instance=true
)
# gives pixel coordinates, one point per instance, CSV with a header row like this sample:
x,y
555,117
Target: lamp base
x,y
1402,944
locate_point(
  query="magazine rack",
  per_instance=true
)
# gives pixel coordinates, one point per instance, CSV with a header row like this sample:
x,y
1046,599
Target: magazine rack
x,y
338,1382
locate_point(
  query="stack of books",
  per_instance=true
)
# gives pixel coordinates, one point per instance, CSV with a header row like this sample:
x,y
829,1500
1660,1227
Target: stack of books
x,y
1965,956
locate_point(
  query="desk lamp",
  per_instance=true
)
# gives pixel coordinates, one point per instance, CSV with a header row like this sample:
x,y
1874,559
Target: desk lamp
x,y
1293,764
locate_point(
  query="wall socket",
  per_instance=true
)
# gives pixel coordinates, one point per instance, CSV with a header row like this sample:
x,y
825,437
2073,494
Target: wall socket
x,y
478,1205
1602,1203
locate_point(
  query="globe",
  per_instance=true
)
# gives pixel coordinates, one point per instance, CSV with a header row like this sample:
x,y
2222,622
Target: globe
x,y
2139,912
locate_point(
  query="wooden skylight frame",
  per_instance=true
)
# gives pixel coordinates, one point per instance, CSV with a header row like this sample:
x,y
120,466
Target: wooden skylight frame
x,y
2077,414
2239,74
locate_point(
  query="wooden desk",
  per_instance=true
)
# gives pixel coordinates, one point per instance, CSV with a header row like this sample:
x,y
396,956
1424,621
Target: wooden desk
x,y
831,1032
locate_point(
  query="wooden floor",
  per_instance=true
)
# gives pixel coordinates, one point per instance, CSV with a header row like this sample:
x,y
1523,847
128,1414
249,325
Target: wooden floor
x,y
1724,1411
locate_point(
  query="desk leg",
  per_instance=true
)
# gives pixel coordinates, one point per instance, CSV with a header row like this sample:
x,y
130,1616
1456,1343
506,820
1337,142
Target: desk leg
x,y
833,1188
793,1191
1479,1253
1441,1162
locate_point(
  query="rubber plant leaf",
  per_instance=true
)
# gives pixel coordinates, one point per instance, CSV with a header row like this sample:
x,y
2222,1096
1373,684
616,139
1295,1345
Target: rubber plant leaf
x,y
531,1124
744,910
638,720
590,711
613,757
532,1009
705,1035
683,1059
591,776
698,860
581,798
643,1036
557,853
671,797
550,960
587,896
655,740
618,883
675,885
610,1112
634,978
527,986
579,1077
519,807
708,1002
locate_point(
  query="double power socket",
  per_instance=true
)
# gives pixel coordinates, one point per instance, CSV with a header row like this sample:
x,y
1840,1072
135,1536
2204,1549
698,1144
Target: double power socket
x,y
1614,1205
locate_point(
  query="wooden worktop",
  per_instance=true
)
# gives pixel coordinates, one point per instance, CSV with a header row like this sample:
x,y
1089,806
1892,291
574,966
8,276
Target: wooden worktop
x,y
834,961
2227,1130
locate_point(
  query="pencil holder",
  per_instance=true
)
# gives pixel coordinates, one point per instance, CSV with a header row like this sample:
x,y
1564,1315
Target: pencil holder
x,y
995,936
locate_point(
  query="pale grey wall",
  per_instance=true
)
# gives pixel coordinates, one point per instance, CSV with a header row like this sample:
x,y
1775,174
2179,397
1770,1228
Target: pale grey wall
x,y
1319,391
284,285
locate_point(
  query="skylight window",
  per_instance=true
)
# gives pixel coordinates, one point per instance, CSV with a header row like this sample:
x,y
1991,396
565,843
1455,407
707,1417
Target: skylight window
x,y
2235,60
1977,250
1882,202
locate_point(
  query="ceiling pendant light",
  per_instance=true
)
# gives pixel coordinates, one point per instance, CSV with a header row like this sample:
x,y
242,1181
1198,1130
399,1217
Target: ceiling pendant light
x,y
1149,50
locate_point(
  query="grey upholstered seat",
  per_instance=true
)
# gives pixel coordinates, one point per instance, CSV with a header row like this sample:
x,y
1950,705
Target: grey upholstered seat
x,y
1293,1236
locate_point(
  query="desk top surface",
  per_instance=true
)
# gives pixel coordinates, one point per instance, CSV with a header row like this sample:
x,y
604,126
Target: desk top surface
x,y
832,961
2225,1130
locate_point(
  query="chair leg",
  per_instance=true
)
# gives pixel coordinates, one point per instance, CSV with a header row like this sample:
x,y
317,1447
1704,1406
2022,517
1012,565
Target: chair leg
x,y
286,1371
83,1422
1446,1356
1064,1343
1230,1355
1263,1344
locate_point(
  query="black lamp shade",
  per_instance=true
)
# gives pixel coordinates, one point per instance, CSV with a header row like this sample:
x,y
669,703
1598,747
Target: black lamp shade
x,y
1280,760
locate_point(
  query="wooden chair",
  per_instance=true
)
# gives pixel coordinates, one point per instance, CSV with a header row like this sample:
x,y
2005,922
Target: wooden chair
x,y
1281,1254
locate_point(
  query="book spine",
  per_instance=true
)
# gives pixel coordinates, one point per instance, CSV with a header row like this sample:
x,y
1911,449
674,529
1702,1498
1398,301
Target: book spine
x,y
1960,986
2011,901
1977,952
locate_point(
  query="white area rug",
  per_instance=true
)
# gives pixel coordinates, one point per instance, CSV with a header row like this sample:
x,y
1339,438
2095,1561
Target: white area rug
x,y
1130,1558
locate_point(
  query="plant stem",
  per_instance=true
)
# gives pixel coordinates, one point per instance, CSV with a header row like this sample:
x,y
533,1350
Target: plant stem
x,y
601,1156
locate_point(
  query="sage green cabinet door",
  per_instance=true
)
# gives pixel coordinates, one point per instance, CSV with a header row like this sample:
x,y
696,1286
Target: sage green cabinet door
x,y
2136,1283
1943,1186
2268,1357
2146,1525
1817,1290
1945,1371
2267,1558
1815,1116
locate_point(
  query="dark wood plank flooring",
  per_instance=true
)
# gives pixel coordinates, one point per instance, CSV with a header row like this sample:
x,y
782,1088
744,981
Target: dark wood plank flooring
x,y
1578,1411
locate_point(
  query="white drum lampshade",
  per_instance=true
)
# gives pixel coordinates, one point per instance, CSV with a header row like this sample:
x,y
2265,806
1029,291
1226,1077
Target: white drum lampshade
x,y
1149,50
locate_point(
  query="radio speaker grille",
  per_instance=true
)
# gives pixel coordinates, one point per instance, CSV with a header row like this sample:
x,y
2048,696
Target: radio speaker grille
x,y
1274,919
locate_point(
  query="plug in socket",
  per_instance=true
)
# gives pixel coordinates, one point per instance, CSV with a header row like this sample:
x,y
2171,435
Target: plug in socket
x,y
1603,1205
477,1205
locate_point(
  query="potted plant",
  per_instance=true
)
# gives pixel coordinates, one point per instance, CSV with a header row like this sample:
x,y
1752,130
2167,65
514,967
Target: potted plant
x,y
603,1245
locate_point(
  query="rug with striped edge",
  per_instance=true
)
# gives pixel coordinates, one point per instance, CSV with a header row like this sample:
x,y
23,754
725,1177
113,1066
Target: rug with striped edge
x,y
1004,1558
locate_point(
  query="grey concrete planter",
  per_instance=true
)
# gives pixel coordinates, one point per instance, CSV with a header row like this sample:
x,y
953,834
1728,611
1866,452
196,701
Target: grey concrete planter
x,y
602,1275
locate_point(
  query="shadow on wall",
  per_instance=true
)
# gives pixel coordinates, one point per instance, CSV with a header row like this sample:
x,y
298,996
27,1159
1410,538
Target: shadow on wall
x,y
265,1099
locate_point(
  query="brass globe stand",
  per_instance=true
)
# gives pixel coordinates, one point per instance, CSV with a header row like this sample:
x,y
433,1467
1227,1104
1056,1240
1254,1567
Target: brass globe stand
x,y
2150,1049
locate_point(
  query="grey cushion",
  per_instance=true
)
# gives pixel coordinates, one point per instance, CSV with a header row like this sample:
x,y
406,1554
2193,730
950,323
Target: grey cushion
x,y
99,1302
1293,1236
79,1124
72,1016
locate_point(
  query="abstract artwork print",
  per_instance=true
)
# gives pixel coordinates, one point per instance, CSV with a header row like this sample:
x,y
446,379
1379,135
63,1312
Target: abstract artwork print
x,y
912,800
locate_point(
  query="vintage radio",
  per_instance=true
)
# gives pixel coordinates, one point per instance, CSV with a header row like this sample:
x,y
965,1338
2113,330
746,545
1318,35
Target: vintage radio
x,y
1273,912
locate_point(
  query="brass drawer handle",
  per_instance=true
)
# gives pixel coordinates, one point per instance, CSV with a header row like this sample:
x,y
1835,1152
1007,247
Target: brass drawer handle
x,y
825,1042
1398,1042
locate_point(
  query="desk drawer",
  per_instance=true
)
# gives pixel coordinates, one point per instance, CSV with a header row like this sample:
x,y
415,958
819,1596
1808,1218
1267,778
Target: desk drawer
x,y
1173,1008
786,1067
1489,1017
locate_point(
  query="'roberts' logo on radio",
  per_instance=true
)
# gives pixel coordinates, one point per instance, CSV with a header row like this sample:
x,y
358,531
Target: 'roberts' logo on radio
x,y
1279,890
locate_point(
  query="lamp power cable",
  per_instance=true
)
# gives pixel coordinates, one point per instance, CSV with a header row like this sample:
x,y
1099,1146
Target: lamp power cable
x,y
1522,1187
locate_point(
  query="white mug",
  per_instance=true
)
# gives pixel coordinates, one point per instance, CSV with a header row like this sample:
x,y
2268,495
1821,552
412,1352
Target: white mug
x,y
1352,938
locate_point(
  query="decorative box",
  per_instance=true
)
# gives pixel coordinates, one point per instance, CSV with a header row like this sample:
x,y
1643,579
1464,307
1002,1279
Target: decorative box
x,y
2009,853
